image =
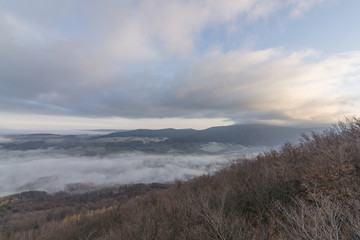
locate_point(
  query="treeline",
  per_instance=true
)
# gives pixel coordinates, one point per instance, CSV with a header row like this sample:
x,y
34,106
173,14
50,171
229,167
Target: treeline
x,y
307,191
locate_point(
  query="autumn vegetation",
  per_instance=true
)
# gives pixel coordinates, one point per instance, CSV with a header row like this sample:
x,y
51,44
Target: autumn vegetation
x,y
306,191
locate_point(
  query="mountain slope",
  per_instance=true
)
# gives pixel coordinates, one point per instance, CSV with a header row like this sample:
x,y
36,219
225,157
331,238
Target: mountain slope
x,y
251,134
308,191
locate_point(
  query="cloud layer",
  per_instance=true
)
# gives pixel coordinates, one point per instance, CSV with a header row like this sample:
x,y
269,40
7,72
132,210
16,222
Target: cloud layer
x,y
52,171
143,59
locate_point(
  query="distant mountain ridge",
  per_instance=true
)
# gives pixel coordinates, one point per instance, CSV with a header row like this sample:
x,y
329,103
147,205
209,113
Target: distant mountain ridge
x,y
243,134
214,140
167,132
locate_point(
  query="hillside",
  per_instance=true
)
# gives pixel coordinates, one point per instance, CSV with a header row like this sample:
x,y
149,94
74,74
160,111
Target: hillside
x,y
243,134
305,191
28,210
162,141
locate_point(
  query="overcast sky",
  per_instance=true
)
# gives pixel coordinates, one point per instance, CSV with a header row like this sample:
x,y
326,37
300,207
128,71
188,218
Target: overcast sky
x,y
80,64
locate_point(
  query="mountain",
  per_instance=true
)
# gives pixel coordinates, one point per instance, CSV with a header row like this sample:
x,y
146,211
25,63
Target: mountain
x,y
168,132
213,140
305,191
247,135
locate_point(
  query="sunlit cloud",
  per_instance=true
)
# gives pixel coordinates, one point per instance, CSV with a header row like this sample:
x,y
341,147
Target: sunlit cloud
x,y
297,86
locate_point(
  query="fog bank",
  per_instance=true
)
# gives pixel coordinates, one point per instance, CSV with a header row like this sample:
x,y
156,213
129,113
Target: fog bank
x,y
51,170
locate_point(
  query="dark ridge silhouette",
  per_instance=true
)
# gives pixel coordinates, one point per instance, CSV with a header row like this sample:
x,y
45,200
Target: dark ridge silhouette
x,y
250,134
168,132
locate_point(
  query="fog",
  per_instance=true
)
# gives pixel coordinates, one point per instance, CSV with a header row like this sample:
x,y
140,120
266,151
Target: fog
x,y
4,139
51,170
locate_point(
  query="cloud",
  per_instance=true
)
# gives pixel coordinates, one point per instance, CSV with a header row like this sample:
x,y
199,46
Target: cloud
x,y
273,84
5,140
141,60
33,123
125,31
52,171
299,7
299,85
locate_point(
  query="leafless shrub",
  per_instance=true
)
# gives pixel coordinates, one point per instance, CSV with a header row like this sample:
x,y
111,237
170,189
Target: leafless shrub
x,y
322,220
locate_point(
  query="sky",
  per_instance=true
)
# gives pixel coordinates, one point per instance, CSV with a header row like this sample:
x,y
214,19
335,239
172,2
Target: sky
x,y
130,64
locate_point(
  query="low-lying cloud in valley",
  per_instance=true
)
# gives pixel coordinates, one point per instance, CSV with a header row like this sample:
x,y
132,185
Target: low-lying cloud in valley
x,y
52,171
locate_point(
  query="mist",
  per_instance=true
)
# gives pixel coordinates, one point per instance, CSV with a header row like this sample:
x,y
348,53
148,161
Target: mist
x,y
52,170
